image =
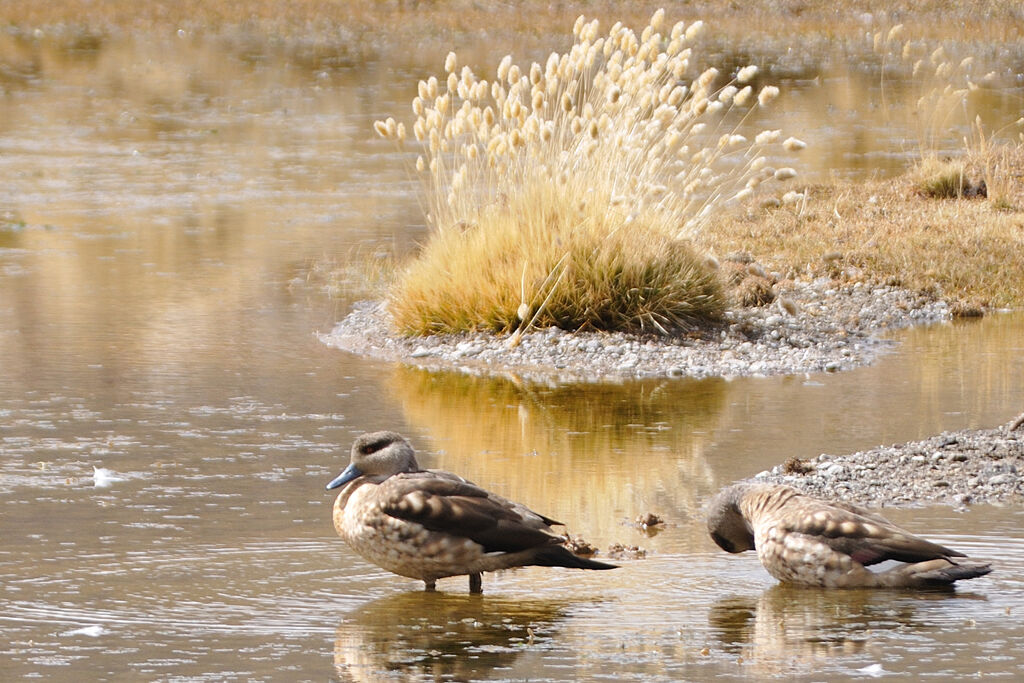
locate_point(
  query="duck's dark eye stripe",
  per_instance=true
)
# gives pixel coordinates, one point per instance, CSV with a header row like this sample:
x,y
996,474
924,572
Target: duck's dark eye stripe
x,y
373,446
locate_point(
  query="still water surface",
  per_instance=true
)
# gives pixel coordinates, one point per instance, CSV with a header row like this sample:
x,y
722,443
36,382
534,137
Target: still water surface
x,y
163,211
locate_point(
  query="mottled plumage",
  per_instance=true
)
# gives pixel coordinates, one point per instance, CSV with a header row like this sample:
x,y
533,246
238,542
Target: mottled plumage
x,y
429,524
805,540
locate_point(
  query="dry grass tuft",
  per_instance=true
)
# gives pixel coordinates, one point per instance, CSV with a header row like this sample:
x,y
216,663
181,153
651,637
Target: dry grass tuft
x,y
995,164
944,86
567,193
945,179
573,269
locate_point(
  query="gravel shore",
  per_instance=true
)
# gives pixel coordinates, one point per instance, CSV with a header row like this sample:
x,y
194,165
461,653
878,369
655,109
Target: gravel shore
x,y
953,468
817,326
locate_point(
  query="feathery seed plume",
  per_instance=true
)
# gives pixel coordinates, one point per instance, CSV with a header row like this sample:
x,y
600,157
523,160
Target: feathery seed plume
x,y
767,94
694,30
745,74
792,144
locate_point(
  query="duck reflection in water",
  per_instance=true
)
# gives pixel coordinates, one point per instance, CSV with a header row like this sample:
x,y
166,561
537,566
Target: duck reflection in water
x,y
805,540
440,636
430,524
789,628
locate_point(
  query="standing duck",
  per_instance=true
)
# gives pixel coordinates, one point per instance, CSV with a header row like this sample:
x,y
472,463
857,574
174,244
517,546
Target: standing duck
x,y
805,540
429,524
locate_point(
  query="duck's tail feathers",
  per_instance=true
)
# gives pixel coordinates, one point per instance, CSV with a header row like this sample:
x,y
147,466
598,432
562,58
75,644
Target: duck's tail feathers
x,y
560,556
937,572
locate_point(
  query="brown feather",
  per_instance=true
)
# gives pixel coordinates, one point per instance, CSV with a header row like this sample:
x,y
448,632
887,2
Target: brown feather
x,y
462,509
867,538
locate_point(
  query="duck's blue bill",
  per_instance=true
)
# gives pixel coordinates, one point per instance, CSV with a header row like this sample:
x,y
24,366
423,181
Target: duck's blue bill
x,y
345,477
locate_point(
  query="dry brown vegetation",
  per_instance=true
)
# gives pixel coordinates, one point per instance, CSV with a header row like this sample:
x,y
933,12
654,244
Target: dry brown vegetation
x,y
965,249
396,21
467,275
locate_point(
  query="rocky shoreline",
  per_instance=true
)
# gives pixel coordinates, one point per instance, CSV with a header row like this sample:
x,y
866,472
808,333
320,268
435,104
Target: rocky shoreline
x,y
955,468
816,326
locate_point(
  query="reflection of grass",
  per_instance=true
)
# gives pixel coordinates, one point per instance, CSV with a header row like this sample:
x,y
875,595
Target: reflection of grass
x,y
595,453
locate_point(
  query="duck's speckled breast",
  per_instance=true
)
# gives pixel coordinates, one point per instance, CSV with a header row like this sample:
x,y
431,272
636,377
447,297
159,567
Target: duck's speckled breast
x,y
399,546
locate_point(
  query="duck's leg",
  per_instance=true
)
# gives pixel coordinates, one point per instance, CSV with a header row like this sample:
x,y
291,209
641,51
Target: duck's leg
x,y
429,586
476,584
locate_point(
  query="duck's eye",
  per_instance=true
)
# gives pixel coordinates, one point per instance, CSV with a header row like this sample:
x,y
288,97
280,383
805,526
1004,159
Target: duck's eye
x,y
373,446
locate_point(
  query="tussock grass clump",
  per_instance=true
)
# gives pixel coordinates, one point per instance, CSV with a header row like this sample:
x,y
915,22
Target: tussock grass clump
x,y
528,263
945,86
568,193
945,179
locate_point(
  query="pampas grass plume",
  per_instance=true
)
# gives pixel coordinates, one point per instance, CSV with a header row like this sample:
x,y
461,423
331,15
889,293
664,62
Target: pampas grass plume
x,y
745,74
792,144
607,159
767,94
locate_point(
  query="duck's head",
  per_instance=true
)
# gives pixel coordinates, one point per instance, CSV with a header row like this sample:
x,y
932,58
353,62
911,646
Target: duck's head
x,y
726,524
379,454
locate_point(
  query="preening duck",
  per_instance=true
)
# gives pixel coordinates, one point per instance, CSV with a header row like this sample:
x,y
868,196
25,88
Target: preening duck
x,y
801,539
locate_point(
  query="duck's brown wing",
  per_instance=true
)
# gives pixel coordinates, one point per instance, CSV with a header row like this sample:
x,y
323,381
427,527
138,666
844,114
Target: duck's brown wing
x,y
866,537
456,507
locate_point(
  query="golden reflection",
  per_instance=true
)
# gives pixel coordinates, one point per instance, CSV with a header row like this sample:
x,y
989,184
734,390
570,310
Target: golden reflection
x,y
440,636
601,453
947,376
791,630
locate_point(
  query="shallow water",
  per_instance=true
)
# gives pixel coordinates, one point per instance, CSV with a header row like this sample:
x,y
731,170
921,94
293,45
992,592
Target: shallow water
x,y
163,213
